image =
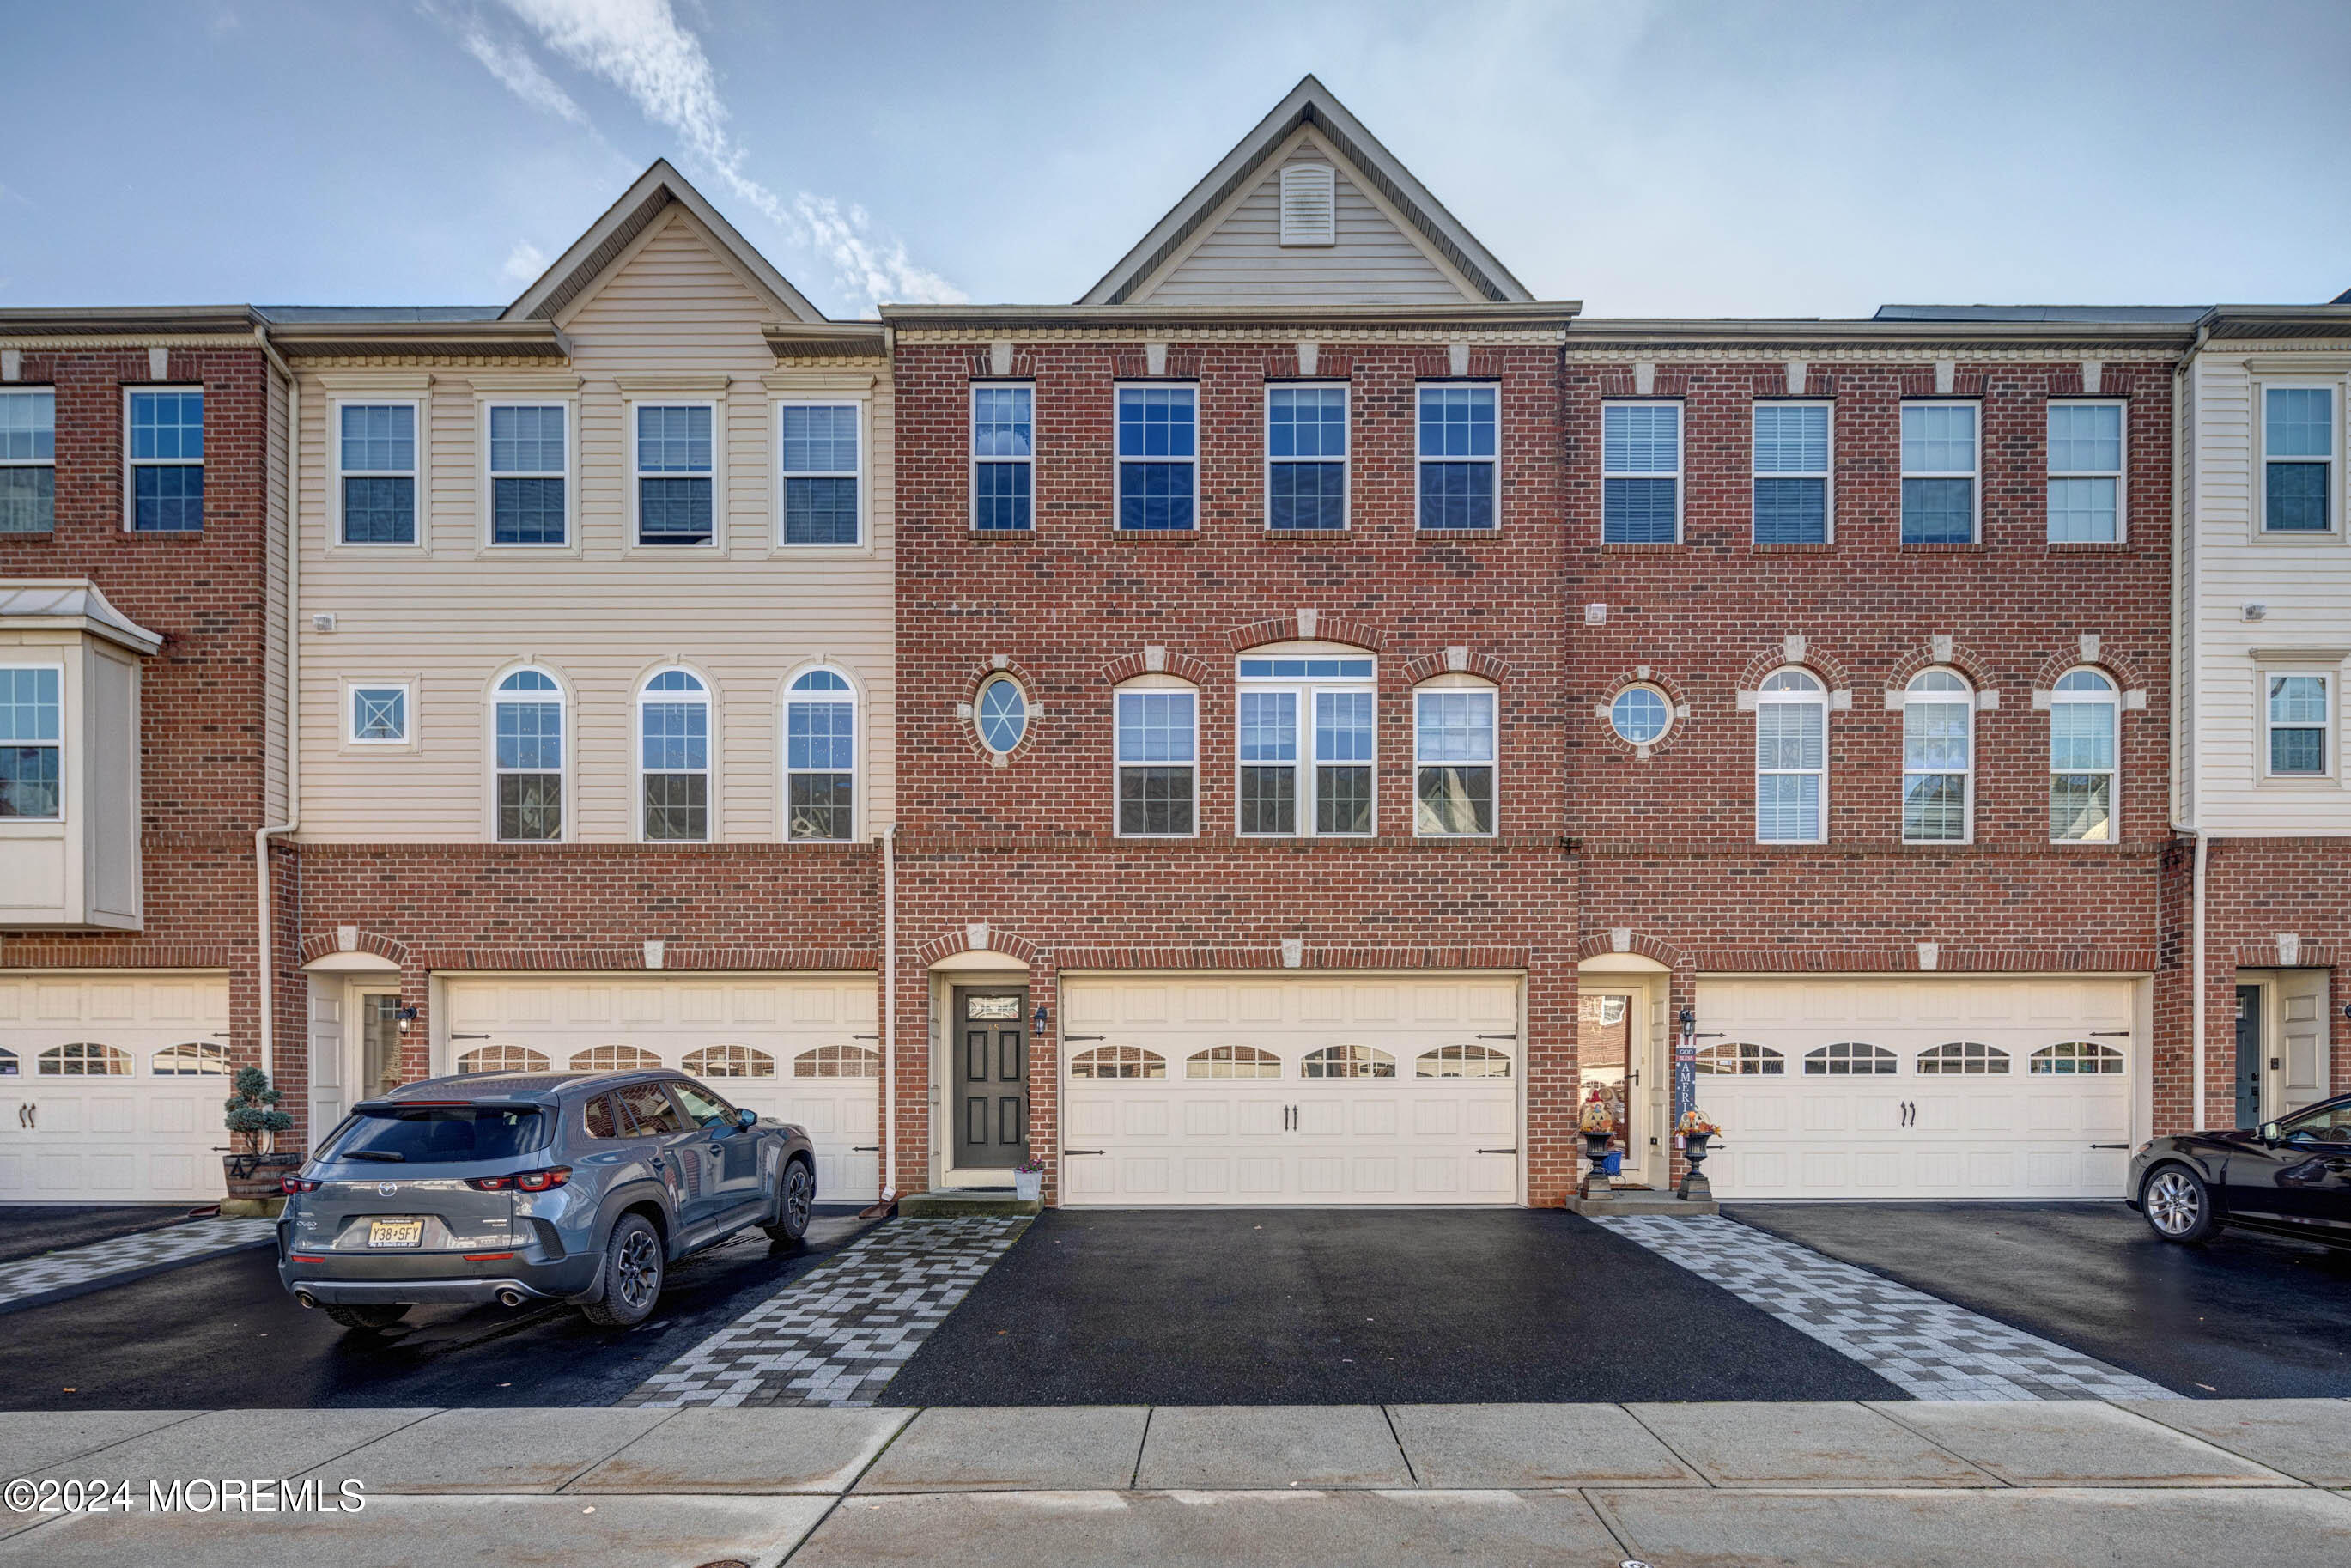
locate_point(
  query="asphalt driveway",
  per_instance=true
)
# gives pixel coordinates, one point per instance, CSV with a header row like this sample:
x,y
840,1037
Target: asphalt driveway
x,y
1356,1306
30,1230
2243,1317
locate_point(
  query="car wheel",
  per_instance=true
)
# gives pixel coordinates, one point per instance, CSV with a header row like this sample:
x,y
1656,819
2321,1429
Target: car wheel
x,y
794,1205
2178,1204
370,1317
633,1275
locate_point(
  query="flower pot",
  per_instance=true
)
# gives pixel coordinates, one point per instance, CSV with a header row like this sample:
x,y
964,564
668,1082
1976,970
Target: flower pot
x,y
1027,1185
256,1177
1694,1148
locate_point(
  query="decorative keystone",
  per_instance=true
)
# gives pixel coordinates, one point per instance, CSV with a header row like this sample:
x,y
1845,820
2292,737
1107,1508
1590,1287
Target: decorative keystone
x,y
655,953
1293,952
1620,939
1456,659
1307,354
975,936
1307,620
1792,645
1154,658
2289,950
1930,954
347,938
999,357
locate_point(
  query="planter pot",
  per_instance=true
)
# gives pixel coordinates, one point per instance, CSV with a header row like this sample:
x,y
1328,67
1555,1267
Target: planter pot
x,y
1694,1148
256,1177
1027,1185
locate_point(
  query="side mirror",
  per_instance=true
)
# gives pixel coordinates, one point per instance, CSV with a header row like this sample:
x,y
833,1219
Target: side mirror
x,y
745,1117
2270,1134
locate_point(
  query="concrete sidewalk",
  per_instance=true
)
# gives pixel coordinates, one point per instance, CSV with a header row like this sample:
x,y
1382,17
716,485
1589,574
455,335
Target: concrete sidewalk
x,y
2045,1482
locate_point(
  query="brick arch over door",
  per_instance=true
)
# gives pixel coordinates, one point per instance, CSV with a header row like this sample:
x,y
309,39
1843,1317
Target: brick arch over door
x,y
976,938
1309,627
1601,943
327,944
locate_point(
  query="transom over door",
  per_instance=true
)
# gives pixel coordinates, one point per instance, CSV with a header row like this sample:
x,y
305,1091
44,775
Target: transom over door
x,y
991,1078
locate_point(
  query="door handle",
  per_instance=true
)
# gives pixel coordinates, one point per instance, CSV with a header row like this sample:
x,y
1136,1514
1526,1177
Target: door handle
x,y
1498,1151
865,1148
2110,1146
1067,1153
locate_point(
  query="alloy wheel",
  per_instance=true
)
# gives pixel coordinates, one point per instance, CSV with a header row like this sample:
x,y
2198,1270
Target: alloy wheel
x,y
799,1196
2173,1203
640,1270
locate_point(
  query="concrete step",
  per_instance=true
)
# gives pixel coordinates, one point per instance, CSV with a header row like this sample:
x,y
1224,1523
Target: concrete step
x,y
1633,1200
965,1203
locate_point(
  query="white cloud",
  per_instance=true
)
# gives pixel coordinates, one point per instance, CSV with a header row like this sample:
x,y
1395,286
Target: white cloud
x,y
512,64
524,264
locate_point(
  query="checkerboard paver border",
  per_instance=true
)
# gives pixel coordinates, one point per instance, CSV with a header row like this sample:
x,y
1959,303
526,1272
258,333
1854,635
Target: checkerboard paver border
x,y
141,1253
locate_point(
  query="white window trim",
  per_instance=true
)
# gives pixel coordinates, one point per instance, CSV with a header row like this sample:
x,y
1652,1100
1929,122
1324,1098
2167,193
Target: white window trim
x,y
46,827
1681,462
1819,698
1347,462
976,462
2113,698
1153,683
1964,700
2120,474
1306,767
859,408
1673,715
50,462
2326,671
562,697
1457,681
1973,474
336,472
632,521
637,698
2334,532
1419,459
406,686
855,697
131,465
1119,462
1826,476
570,474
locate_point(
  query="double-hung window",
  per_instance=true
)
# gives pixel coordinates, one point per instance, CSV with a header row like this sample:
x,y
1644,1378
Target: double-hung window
x,y
1158,750
820,756
1938,758
1792,723
1309,727
1459,456
2298,712
1792,472
1640,473
530,470
1939,458
674,730
1306,456
529,762
676,475
32,738
1003,458
1158,456
167,461
2297,460
375,472
821,472
2082,742
1453,761
2085,472
28,461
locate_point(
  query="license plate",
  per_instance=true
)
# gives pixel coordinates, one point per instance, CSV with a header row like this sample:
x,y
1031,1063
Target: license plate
x,y
395,1233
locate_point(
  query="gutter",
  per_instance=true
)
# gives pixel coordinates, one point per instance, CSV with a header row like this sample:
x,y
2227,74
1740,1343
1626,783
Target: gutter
x,y
262,835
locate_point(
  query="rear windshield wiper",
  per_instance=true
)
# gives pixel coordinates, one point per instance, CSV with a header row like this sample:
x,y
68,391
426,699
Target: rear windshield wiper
x,y
372,1154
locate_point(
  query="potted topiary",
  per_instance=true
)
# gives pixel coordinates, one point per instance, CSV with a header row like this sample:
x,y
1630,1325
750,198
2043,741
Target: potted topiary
x,y
1029,1179
253,1168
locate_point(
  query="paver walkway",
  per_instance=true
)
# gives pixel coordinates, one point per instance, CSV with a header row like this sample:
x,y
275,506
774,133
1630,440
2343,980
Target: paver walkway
x,y
1925,1346
75,1269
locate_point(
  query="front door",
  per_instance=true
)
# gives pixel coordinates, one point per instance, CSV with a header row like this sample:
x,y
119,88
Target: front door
x,y
991,1078
1605,1060
2251,1068
379,1043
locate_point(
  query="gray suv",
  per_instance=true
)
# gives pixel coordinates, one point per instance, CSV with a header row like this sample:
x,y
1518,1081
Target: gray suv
x,y
571,1186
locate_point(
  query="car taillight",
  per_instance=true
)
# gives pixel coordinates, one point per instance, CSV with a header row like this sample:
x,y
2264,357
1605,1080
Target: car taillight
x,y
540,1181
296,1183
489,1183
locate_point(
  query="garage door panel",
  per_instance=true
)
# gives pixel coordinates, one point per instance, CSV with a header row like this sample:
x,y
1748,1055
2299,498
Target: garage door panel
x,y
1374,1119
1991,1113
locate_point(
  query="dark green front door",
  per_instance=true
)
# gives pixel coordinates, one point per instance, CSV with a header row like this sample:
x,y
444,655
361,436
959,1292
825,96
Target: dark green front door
x,y
991,1078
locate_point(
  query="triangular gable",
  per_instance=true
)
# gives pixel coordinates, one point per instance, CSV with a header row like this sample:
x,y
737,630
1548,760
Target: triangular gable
x,y
1240,184
578,270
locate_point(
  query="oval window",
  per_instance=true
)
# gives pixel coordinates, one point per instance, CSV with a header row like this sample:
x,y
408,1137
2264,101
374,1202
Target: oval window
x,y
1639,715
1003,713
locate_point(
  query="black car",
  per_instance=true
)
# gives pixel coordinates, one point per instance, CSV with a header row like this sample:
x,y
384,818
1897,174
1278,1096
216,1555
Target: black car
x,y
2292,1176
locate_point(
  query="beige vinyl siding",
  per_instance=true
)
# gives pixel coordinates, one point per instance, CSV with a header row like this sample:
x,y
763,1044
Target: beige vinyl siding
x,y
1238,258
600,615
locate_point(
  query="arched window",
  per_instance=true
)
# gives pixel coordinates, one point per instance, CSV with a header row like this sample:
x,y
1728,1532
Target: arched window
x,y
1347,1061
820,756
1849,1059
503,1059
837,1062
1462,1062
1118,1061
84,1059
528,725
196,1058
730,1061
1232,1062
673,732
1740,1058
1001,714
1968,1056
1158,755
2077,1056
10,1064
1640,716
2082,758
1454,757
614,1059
1792,767
1938,758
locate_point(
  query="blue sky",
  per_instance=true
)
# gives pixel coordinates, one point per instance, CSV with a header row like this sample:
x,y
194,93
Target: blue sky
x,y
1664,159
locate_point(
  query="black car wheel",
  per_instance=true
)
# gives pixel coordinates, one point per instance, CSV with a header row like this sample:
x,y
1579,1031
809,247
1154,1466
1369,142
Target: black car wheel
x,y
633,1275
794,1205
370,1317
2178,1204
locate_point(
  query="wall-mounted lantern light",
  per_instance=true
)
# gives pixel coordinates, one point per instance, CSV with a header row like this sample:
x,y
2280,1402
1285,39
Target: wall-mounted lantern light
x,y
1037,1023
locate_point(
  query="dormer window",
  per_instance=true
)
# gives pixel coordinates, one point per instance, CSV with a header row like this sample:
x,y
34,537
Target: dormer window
x,y
1310,212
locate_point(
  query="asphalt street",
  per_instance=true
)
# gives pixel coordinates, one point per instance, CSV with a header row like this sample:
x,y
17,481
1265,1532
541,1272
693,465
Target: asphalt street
x,y
1356,1306
2243,1317
224,1333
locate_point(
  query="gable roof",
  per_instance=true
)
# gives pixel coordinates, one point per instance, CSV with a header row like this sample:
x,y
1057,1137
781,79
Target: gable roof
x,y
576,269
1311,104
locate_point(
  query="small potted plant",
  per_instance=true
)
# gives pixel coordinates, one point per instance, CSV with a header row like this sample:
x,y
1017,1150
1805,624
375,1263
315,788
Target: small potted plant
x,y
254,1121
1029,1179
1694,1129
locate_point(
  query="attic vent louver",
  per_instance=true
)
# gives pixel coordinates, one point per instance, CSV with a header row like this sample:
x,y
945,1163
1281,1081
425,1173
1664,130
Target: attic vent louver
x,y
1309,208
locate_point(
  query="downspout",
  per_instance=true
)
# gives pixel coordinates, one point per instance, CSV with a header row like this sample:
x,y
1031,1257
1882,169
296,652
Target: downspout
x,y
890,1013
262,835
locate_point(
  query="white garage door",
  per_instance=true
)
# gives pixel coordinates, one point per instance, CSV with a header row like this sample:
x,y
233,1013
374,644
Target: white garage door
x,y
113,1088
1184,1089
802,1048
1918,1088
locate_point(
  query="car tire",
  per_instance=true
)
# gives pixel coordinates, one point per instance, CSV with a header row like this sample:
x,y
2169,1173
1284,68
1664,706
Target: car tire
x,y
795,1203
370,1317
633,1274
2179,1206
